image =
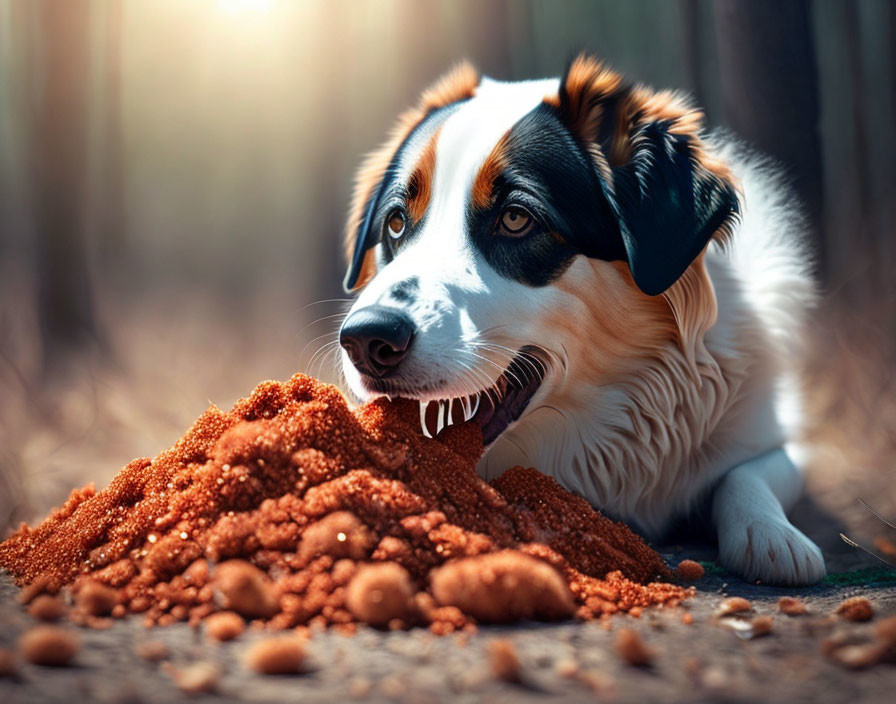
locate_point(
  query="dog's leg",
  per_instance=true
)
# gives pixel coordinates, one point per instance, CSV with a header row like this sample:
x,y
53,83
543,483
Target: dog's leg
x,y
755,538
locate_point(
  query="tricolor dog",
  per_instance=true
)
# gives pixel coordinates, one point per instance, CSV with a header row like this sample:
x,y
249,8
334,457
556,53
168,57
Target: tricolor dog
x,y
615,297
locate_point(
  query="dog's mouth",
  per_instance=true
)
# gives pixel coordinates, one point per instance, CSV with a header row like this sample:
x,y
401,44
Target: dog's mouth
x,y
494,408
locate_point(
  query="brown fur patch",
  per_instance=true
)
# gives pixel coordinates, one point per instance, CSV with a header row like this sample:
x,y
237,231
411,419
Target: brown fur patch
x,y
420,184
625,329
494,164
590,86
457,84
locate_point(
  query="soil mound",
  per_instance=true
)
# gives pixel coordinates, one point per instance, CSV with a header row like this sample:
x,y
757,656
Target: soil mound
x,y
280,508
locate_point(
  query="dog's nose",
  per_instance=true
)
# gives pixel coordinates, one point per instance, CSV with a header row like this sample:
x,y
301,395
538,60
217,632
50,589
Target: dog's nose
x,y
376,339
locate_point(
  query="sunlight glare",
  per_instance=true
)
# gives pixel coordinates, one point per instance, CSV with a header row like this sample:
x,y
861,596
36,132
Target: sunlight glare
x,y
245,7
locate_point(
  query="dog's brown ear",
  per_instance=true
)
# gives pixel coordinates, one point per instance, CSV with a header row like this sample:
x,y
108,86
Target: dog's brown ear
x,y
360,234
669,196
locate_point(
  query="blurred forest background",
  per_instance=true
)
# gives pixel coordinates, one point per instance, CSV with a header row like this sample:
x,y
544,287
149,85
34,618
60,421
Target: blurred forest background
x,y
174,177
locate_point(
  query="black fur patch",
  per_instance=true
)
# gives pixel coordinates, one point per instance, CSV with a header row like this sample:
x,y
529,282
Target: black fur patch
x,y
658,214
548,174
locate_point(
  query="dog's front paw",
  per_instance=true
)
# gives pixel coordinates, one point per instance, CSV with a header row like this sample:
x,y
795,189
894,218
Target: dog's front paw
x,y
771,551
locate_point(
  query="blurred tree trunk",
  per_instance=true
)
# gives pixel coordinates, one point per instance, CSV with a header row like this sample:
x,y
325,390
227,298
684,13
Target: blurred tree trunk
x,y
770,89
849,21
890,222
334,108
692,36
59,170
112,228
489,22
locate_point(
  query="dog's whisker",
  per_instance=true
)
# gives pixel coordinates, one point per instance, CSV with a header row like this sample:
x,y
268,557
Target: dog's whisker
x,y
315,339
327,300
321,352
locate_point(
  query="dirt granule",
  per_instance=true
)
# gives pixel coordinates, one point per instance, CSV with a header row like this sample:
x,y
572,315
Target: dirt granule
x,y
49,645
294,510
280,655
856,608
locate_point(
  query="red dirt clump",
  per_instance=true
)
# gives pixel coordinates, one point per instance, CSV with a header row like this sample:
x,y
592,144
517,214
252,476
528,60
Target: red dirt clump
x,y
790,606
503,586
380,594
273,509
242,587
632,648
689,571
504,661
856,608
280,655
224,625
46,608
49,645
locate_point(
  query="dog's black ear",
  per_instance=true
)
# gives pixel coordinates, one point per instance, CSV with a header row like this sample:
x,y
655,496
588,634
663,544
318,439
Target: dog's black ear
x,y
670,198
361,233
669,206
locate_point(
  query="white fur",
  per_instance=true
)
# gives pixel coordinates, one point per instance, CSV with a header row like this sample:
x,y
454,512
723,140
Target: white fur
x,y
651,440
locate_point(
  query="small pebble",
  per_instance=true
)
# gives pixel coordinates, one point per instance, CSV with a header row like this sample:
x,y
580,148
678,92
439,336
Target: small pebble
x,y
632,648
152,650
566,668
503,660
885,631
791,607
46,608
41,585
96,598
197,678
49,645
762,626
733,605
380,593
279,655
858,608
224,625
858,656
242,587
689,571
8,665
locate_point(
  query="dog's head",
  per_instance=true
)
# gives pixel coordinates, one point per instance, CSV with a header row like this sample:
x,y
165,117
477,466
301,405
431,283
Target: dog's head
x,y
512,240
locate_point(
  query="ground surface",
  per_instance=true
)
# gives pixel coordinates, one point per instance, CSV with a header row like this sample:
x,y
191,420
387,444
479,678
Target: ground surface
x,y
704,661
93,416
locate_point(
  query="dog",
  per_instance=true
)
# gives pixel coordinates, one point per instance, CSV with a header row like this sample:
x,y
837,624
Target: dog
x,y
615,296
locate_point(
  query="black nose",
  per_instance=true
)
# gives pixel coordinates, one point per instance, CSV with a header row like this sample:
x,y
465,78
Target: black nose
x,y
376,339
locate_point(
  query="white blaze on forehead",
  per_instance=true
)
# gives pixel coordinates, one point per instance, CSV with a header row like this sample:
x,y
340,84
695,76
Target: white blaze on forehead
x,y
467,138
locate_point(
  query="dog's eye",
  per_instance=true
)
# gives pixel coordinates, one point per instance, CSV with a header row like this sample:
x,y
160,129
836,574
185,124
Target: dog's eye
x,y
395,224
515,221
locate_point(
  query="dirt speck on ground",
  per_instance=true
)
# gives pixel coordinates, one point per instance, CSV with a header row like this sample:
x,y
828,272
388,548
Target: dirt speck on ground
x,y
277,655
856,608
504,661
224,625
49,645
632,648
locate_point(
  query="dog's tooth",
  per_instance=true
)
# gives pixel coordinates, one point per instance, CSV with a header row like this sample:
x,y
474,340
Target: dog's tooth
x,y
440,418
476,407
449,416
465,404
423,407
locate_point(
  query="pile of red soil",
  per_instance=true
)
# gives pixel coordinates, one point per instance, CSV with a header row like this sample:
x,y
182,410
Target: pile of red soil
x,y
292,509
